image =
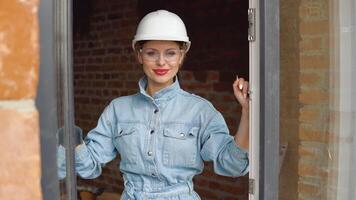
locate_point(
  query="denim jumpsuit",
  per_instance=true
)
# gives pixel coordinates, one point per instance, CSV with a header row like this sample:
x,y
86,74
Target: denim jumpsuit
x,y
162,140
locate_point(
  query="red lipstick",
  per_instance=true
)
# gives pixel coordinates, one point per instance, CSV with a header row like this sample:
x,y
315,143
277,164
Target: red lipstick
x,y
161,72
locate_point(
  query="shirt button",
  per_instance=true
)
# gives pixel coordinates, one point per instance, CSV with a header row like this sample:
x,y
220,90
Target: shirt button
x,y
156,111
150,153
152,131
182,134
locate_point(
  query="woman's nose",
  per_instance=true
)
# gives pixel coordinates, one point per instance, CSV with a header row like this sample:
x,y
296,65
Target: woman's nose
x,y
161,60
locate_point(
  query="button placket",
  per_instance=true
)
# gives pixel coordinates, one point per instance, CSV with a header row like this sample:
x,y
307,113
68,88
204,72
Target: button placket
x,y
152,126
150,151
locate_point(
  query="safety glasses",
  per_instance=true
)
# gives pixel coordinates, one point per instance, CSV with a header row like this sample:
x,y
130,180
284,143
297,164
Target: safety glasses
x,y
169,55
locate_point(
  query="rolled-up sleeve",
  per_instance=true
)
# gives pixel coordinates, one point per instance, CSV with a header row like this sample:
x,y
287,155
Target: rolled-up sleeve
x,y
96,150
218,146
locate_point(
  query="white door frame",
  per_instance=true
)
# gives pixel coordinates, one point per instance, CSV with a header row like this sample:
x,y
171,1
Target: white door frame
x,y
254,78
264,118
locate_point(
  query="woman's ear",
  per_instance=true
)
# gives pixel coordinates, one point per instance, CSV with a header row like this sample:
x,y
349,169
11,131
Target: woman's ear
x,y
139,57
181,60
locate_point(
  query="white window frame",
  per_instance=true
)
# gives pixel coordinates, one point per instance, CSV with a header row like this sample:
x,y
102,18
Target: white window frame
x,y
343,84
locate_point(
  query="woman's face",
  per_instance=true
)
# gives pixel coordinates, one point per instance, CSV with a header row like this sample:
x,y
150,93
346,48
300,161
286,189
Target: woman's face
x,y
161,61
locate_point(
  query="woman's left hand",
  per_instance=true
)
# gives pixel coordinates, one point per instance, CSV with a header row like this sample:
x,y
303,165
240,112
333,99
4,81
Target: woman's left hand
x,y
241,88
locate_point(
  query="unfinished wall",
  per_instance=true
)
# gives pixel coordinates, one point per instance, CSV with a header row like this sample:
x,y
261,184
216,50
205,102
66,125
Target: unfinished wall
x,y
314,99
105,68
305,98
19,144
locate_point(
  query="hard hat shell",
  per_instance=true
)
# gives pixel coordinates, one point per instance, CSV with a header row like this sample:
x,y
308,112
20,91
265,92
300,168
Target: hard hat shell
x,y
161,25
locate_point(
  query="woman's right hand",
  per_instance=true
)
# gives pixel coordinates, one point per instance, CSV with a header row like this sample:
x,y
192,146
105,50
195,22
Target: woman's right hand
x,y
241,88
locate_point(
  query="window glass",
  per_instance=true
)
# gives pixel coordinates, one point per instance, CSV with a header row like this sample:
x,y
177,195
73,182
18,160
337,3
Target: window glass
x,y
318,91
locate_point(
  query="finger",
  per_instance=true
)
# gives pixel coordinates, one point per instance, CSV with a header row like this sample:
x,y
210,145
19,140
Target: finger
x,y
235,87
245,89
236,82
241,83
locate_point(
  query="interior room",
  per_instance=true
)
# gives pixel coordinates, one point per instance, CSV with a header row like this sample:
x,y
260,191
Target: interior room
x,y
105,68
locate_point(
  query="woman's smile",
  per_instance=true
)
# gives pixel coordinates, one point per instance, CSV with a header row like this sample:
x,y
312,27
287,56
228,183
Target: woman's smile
x,y
160,72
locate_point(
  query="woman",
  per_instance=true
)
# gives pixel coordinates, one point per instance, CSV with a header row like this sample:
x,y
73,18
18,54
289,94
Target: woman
x,y
163,134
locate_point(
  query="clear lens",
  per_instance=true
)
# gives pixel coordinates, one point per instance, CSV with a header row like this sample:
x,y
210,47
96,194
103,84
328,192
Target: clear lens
x,y
169,55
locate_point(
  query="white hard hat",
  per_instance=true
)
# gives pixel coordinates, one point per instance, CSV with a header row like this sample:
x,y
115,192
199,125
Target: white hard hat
x,y
161,25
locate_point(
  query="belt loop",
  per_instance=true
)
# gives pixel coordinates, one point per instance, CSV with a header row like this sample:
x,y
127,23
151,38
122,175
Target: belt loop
x,y
130,191
138,195
190,186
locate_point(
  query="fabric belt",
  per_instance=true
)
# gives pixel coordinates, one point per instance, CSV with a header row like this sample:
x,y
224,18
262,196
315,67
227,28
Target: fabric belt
x,y
168,191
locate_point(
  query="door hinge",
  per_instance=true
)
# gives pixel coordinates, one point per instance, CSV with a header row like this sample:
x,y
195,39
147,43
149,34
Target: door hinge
x,y
251,186
251,24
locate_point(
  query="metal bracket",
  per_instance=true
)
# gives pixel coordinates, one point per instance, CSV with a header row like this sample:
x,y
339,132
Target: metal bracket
x,y
251,186
251,24
249,94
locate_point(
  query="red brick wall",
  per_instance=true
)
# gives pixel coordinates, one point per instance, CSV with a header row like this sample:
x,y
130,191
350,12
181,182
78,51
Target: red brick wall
x,y
314,113
218,31
105,68
305,92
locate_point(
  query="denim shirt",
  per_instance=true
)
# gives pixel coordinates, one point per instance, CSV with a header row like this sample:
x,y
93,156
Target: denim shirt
x,y
162,141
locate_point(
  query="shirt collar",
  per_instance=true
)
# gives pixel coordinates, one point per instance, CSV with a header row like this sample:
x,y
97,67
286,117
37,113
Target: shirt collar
x,y
166,93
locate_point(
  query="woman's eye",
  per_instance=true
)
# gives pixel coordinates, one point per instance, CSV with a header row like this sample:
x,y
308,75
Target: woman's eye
x,y
171,53
150,53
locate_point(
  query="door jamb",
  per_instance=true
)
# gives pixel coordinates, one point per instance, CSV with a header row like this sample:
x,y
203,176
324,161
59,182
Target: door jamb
x,y
269,99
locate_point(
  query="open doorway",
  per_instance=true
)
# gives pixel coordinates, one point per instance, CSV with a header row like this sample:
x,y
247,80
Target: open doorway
x,y
105,68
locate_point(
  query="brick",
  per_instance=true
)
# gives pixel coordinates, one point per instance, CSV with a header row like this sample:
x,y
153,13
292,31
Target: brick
x,y
311,44
18,49
20,155
186,75
307,170
308,152
313,97
223,86
313,135
229,97
309,189
233,189
311,11
196,86
205,193
314,27
309,115
314,62
208,173
201,182
213,76
309,79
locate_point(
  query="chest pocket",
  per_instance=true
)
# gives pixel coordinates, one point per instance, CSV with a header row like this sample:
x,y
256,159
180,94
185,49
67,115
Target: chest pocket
x,y
180,147
126,142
